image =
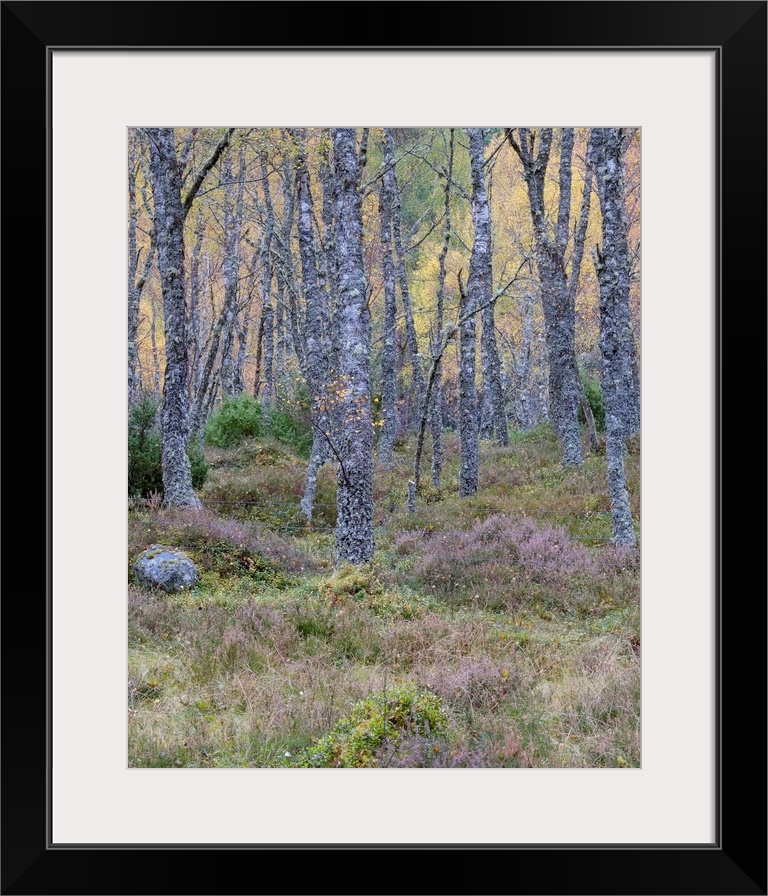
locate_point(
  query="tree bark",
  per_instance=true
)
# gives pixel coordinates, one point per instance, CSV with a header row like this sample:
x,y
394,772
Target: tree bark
x,y
388,382
136,281
133,261
153,343
436,408
169,226
354,527
238,385
564,382
493,419
264,366
233,216
193,324
316,348
468,411
268,370
171,213
612,266
579,239
390,176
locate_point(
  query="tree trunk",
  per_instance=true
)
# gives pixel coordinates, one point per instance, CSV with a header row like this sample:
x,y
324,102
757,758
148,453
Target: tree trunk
x,y
468,411
480,287
136,281
268,370
388,383
259,344
564,383
315,329
238,384
280,380
153,343
579,239
330,264
525,413
193,324
233,217
354,527
169,227
286,275
436,408
612,266
390,177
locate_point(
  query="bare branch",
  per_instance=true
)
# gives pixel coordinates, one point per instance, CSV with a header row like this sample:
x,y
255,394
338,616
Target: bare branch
x,y
209,163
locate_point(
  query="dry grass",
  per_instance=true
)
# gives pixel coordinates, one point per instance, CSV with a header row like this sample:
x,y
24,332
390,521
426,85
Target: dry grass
x,y
509,606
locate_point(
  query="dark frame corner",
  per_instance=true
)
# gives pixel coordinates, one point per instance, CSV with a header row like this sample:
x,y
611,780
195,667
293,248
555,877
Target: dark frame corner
x,y
736,863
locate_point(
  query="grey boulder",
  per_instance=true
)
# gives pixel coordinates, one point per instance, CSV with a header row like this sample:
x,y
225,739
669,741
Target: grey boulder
x,y
162,567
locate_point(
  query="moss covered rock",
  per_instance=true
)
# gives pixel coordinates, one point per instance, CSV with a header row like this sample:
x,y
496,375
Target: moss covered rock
x,y
165,568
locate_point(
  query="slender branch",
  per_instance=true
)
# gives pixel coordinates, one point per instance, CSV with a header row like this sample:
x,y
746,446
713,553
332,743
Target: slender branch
x,y
442,173
447,335
316,426
209,163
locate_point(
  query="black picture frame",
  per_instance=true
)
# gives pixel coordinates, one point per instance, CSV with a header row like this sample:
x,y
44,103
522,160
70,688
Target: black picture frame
x,y
736,862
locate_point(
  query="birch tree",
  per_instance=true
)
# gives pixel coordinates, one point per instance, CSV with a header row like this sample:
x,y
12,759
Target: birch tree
x,y
612,266
493,420
390,176
354,527
138,268
468,411
388,382
533,150
170,213
233,218
316,327
436,398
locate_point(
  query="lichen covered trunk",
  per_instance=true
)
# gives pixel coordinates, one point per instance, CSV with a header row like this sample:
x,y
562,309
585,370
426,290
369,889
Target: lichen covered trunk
x,y
233,217
436,400
564,382
390,175
133,261
388,383
354,528
480,287
268,369
559,316
169,227
525,416
612,266
468,411
193,324
315,326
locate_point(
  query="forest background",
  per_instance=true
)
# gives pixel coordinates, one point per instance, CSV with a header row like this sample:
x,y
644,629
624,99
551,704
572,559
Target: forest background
x,y
434,204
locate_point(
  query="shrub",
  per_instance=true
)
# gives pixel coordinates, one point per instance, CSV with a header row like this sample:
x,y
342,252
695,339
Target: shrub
x,y
218,544
356,741
145,453
197,464
289,423
233,421
498,563
594,395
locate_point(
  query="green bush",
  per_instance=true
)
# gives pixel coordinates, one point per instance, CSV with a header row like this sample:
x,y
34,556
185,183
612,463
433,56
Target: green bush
x,y
233,421
198,465
595,398
354,741
145,452
290,425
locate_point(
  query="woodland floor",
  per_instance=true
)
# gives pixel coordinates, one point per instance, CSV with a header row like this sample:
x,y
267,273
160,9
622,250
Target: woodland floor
x,y
499,630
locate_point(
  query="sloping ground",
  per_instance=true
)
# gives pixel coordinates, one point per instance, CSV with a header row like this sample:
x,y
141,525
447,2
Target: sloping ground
x,y
510,607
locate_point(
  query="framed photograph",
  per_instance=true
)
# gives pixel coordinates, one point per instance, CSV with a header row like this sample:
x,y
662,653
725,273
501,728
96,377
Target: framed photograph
x,y
691,76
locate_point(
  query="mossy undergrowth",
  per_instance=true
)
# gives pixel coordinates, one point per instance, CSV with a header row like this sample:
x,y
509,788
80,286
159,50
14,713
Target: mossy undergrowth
x,y
500,630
